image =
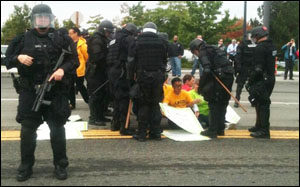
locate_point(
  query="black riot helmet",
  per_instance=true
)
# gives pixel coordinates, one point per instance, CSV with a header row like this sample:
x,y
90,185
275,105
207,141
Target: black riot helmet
x,y
163,35
42,17
259,32
150,27
139,30
107,26
195,44
131,28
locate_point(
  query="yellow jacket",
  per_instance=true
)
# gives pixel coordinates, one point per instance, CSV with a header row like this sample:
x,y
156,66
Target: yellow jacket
x,y
82,56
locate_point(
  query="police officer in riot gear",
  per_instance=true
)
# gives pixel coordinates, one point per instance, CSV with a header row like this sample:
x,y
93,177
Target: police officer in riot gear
x,y
119,85
262,80
244,61
214,63
35,54
96,74
147,58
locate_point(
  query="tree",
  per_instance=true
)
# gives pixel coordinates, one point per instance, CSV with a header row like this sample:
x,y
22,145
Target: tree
x,y
95,21
56,24
235,31
136,14
17,23
203,20
68,24
284,22
187,19
255,23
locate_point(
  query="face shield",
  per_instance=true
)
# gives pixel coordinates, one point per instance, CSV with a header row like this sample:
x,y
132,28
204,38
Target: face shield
x,y
42,21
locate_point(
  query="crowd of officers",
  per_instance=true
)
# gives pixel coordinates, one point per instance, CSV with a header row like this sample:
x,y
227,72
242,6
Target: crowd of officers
x,y
123,67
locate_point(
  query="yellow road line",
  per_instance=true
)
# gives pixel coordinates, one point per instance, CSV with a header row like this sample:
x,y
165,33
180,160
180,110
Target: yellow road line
x,y
14,135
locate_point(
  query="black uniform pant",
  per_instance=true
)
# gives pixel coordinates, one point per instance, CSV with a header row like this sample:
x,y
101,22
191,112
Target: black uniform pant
x,y
262,106
241,80
30,121
97,105
149,115
262,117
217,112
81,88
151,88
120,91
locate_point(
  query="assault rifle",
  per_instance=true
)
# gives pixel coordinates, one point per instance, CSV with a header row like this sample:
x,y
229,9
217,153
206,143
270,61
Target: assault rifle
x,y
46,86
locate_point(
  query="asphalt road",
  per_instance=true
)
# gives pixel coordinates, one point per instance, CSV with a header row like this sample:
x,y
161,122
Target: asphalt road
x,y
111,162
284,108
127,162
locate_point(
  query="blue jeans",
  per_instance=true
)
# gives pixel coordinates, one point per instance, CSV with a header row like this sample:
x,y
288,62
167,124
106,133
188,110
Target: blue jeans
x,y
196,63
176,66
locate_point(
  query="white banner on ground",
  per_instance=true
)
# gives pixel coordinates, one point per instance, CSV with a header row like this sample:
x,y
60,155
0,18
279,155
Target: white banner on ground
x,y
183,136
231,116
74,118
73,130
183,117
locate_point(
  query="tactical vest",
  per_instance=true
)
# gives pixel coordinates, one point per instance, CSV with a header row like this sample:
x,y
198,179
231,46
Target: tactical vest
x,y
115,52
150,52
271,52
43,62
97,50
217,59
248,52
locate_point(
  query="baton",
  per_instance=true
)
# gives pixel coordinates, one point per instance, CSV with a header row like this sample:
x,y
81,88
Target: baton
x,y
229,93
128,114
100,87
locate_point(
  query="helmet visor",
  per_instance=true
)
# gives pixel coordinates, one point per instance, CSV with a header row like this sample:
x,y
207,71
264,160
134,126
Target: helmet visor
x,y
43,20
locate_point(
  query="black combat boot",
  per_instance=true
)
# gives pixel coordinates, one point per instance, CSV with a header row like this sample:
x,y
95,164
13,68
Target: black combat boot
x,y
115,125
209,134
264,114
257,124
24,173
60,173
155,136
260,134
221,133
138,137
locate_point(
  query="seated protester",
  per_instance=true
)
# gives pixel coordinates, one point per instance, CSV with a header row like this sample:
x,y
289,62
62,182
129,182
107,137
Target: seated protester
x,y
179,98
167,88
188,82
203,106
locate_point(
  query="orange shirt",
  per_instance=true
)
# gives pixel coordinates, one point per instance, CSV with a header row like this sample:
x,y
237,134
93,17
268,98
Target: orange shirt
x,y
178,101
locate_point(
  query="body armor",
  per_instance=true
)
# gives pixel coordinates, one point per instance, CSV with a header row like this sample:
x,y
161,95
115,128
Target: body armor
x,y
43,61
151,51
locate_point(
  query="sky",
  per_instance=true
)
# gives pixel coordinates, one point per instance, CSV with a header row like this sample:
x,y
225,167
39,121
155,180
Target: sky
x,y
111,9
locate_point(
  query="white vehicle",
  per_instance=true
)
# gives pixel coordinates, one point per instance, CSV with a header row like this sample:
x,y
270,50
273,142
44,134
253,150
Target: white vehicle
x,y
3,51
